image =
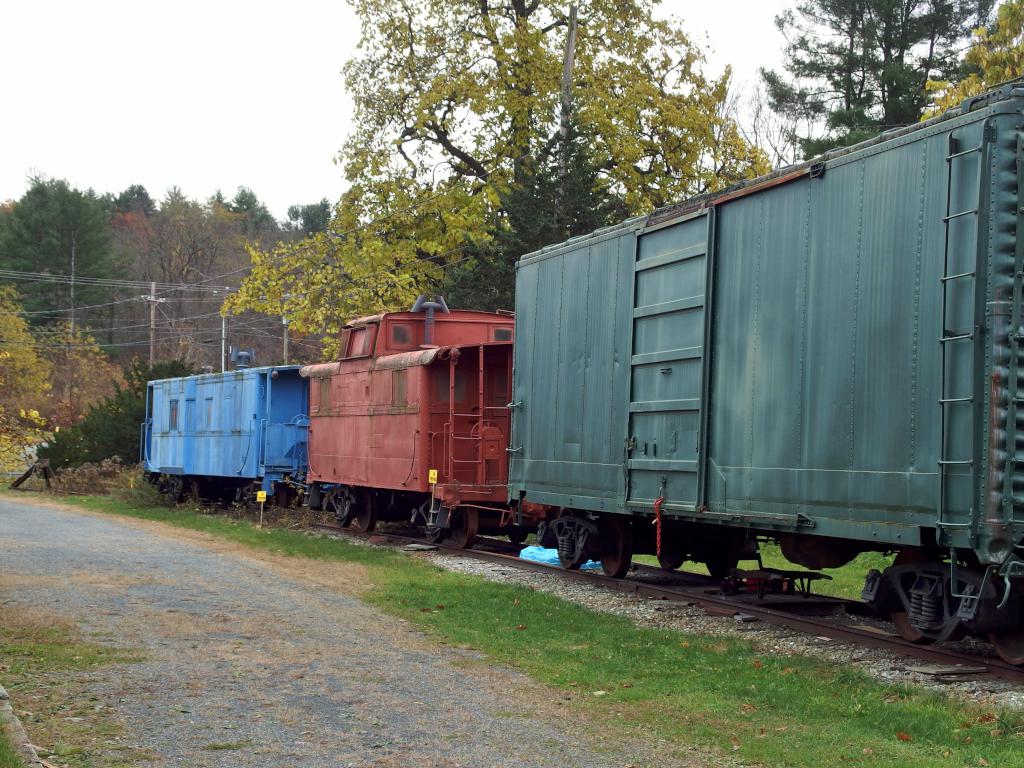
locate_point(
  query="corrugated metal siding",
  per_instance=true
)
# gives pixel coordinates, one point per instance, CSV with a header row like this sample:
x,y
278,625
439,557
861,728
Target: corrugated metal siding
x,y
826,366
572,371
230,424
826,375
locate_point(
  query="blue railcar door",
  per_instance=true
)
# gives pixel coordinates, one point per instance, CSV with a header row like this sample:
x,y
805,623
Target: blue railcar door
x,y
667,434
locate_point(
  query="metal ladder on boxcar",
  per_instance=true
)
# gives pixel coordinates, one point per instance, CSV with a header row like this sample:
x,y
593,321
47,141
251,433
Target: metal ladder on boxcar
x,y
948,400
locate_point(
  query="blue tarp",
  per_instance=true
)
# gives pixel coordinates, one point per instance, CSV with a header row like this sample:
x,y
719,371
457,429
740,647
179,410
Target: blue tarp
x,y
550,557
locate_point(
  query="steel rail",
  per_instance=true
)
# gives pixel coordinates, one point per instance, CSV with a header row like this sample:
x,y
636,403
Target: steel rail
x,y
703,594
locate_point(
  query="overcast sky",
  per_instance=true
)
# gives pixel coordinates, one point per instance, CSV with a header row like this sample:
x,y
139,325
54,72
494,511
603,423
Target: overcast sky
x,y
222,93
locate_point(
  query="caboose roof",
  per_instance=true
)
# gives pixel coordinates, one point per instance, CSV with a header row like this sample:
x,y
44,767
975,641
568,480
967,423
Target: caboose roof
x,y
440,317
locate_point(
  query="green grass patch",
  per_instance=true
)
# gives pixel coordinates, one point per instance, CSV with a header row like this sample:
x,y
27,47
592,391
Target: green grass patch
x,y
9,757
774,710
847,581
222,746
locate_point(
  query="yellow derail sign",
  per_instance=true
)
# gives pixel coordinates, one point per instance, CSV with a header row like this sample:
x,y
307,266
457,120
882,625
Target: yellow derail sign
x,y
432,476
261,496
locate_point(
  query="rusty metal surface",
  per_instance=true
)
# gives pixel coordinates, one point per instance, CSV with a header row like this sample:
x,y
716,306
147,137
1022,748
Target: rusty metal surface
x,y
385,419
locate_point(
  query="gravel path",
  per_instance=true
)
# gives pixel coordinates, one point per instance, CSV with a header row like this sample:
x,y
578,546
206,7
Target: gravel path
x,y
286,669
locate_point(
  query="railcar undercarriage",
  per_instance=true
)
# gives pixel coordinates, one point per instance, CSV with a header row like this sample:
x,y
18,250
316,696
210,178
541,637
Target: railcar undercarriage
x,y
931,598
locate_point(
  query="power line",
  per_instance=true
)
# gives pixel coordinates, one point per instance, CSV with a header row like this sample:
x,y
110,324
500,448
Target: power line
x,y
48,277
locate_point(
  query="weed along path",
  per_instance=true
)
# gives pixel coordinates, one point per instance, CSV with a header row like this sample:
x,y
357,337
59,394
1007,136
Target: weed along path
x,y
221,656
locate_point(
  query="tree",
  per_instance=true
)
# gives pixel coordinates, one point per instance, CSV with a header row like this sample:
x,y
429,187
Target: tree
x,y
858,67
550,206
310,219
257,217
995,56
58,230
111,427
81,374
24,383
454,102
135,199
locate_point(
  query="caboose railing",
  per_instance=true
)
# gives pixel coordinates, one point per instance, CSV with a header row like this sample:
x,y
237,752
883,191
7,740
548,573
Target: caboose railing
x,y
476,422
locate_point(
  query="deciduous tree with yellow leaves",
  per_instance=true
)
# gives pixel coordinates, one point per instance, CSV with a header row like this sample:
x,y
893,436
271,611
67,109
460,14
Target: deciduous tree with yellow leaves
x,y
996,55
24,382
456,104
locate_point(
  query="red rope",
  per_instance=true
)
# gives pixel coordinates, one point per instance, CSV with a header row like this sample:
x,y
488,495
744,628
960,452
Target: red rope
x,y
657,523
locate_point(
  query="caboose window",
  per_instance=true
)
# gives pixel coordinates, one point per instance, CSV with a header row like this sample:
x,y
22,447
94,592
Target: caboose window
x,y
398,388
401,335
325,394
503,334
172,415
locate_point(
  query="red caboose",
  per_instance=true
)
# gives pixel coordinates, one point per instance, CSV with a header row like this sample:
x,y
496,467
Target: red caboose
x,y
413,423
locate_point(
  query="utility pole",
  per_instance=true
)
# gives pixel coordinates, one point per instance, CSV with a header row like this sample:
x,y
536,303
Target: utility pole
x,y
153,300
284,322
566,111
223,340
73,246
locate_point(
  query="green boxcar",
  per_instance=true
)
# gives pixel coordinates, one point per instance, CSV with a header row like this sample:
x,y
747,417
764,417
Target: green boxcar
x,y
831,350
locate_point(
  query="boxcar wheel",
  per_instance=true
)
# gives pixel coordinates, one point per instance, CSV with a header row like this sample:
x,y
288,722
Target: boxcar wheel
x,y
900,619
570,564
616,546
721,565
464,524
671,561
1009,644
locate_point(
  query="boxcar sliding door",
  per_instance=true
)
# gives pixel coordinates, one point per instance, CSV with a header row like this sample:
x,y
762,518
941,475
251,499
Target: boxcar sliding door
x,y
666,434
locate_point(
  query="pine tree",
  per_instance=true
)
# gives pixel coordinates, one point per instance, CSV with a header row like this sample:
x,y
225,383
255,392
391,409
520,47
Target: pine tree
x,y
855,68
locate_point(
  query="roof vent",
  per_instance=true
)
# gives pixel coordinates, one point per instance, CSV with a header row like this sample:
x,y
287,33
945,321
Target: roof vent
x,y
242,358
430,305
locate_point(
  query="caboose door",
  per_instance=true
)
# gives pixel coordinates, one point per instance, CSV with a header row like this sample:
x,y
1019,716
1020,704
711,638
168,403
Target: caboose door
x,y
667,433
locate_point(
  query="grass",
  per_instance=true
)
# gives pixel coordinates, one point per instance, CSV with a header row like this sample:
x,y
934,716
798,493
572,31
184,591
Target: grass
x,y
770,709
847,581
9,758
221,746
39,656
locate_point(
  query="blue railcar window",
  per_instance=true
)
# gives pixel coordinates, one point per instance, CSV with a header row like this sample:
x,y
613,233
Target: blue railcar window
x,y
209,414
172,415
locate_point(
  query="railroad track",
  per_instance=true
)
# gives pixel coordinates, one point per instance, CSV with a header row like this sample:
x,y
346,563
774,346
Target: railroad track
x,y
816,615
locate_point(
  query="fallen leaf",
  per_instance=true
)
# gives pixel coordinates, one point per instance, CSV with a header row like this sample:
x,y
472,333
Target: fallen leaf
x,y
982,761
520,627
902,736
439,607
867,751
735,743
600,693
758,664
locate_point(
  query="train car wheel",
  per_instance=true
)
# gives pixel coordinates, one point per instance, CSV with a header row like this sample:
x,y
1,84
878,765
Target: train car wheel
x,y
1009,644
900,619
671,561
464,524
721,565
616,546
176,488
363,516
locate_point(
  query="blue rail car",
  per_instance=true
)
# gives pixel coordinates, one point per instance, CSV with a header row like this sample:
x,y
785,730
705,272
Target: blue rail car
x,y
227,435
